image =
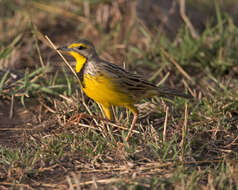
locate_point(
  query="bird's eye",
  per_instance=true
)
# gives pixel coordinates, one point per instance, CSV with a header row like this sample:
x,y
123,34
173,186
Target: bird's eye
x,y
81,47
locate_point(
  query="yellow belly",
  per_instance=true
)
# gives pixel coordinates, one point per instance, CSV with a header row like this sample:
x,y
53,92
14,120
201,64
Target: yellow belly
x,y
105,91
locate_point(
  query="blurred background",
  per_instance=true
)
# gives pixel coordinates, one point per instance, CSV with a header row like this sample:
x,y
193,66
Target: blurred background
x,y
119,29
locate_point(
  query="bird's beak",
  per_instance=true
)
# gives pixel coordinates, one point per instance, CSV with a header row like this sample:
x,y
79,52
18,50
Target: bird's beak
x,y
64,48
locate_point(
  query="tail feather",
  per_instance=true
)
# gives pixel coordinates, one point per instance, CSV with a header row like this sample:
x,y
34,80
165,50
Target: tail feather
x,y
163,91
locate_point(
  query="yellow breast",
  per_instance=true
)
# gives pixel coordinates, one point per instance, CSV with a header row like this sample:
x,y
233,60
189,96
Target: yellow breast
x,y
105,91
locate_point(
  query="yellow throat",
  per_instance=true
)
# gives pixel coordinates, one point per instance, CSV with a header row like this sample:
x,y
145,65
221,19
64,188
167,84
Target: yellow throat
x,y
80,60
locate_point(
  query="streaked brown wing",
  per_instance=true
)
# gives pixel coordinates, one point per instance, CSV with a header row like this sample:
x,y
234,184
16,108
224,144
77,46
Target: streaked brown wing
x,y
132,84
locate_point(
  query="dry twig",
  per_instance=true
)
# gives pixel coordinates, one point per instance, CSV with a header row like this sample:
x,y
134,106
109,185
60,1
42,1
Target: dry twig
x,y
186,19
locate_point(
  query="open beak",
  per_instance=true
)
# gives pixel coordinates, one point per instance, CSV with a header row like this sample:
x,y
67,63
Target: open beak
x,y
64,48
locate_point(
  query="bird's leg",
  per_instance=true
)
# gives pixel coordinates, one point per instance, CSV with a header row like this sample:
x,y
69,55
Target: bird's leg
x,y
132,126
77,117
133,109
107,110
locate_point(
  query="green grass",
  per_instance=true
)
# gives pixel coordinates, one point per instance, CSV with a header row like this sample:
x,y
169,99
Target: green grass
x,y
42,148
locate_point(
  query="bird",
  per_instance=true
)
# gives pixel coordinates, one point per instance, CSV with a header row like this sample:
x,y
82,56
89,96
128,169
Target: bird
x,y
109,84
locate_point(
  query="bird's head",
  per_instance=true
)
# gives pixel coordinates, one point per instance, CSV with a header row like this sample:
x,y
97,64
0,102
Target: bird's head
x,y
81,50
82,47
